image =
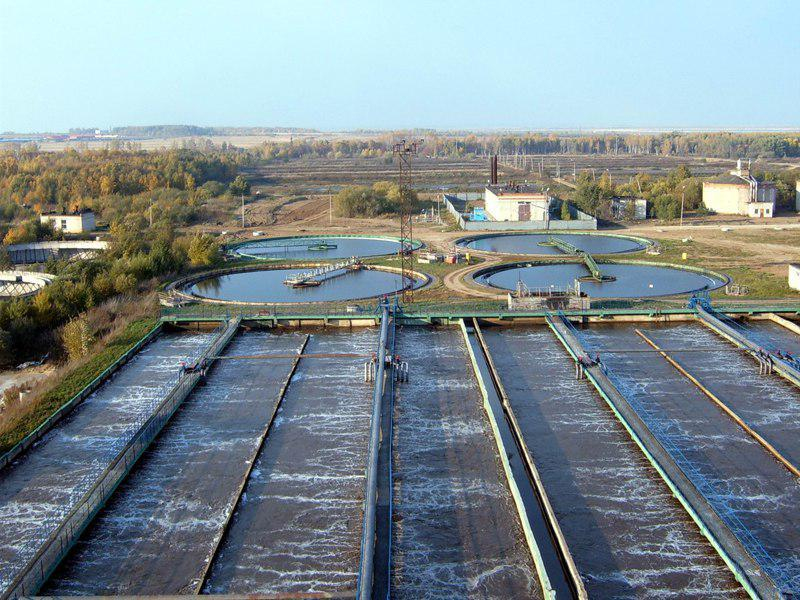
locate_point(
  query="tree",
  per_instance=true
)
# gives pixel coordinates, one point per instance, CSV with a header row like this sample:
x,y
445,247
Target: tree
x,y
666,207
5,259
382,198
76,338
565,213
203,251
239,186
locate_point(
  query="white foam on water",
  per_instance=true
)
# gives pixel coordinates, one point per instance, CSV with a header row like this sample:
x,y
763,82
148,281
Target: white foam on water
x,y
756,496
299,529
455,532
627,533
49,478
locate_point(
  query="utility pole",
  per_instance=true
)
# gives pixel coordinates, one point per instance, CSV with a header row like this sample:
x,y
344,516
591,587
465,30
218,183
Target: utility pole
x,y
330,206
242,211
683,199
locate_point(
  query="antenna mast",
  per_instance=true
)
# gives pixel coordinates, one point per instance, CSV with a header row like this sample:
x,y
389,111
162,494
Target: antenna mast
x,y
404,151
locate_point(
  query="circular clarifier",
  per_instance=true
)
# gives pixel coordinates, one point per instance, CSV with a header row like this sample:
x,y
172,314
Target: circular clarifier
x,y
630,280
536,243
267,286
323,247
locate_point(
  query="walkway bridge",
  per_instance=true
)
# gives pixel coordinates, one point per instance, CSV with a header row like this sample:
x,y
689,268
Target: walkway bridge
x,y
587,258
737,546
316,276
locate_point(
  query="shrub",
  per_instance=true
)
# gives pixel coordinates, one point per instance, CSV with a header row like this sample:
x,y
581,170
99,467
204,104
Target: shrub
x,y
76,338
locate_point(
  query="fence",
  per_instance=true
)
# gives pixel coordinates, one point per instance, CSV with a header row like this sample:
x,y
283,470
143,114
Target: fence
x,y
456,206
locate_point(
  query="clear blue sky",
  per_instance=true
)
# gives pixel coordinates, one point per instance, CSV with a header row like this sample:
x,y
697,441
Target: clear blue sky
x,y
380,64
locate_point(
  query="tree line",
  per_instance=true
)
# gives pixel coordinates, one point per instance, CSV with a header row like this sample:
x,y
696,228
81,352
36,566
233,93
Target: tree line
x,y
710,144
71,179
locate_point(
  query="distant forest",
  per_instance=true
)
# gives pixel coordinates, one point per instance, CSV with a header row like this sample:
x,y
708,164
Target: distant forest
x,y
717,145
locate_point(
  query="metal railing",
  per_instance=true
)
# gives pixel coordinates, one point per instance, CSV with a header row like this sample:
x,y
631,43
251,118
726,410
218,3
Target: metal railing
x,y
142,431
666,431
450,308
366,569
751,333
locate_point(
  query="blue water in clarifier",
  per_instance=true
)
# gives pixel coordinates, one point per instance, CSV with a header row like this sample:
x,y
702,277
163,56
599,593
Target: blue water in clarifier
x,y
301,248
632,281
268,286
528,243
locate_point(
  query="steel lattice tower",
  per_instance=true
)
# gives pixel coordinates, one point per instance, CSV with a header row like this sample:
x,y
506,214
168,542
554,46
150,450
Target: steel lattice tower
x,y
404,152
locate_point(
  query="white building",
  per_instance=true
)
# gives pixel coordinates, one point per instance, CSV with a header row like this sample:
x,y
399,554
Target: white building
x,y
517,203
738,193
794,277
77,222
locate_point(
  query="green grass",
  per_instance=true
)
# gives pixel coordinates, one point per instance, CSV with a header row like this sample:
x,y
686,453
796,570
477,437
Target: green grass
x,y
15,430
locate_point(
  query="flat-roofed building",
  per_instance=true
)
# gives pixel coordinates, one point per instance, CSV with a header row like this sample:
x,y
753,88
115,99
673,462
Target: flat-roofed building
x,y
76,222
738,193
517,203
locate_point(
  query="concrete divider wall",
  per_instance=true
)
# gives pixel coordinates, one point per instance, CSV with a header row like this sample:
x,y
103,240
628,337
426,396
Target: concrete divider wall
x,y
58,544
222,532
87,391
533,473
530,539
743,566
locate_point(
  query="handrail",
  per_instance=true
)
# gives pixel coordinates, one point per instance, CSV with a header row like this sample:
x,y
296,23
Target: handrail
x,y
723,406
87,390
683,478
37,570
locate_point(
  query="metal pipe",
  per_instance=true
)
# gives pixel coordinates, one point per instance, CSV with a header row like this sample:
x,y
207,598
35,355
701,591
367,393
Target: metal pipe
x,y
366,562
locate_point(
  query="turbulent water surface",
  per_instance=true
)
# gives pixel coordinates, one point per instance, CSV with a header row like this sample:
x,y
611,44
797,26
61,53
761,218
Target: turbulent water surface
x,y
769,404
629,536
298,528
752,492
42,485
456,533
774,336
157,533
